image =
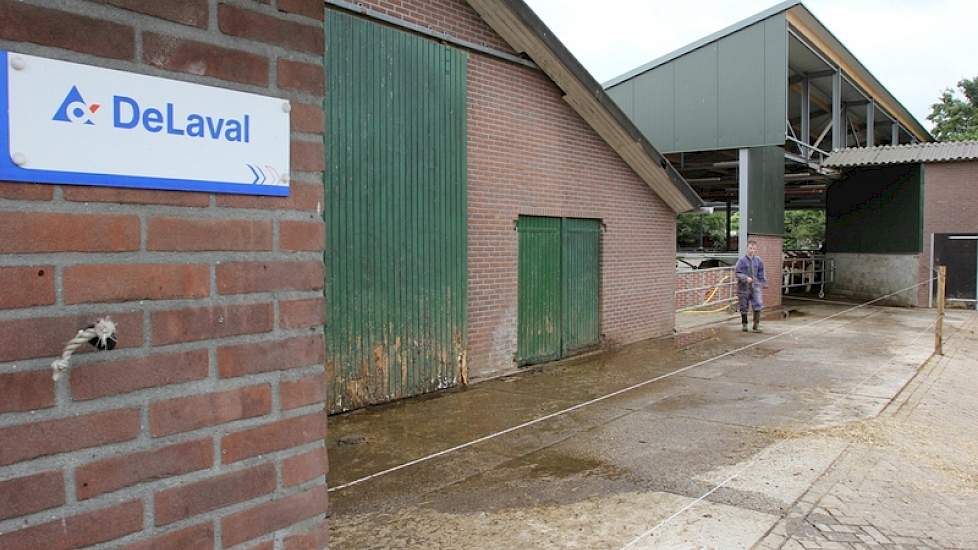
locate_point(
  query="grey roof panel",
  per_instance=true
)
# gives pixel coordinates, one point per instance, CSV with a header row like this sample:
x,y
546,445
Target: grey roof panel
x,y
949,151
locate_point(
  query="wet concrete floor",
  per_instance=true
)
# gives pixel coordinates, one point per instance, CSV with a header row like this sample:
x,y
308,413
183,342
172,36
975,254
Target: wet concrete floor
x,y
709,457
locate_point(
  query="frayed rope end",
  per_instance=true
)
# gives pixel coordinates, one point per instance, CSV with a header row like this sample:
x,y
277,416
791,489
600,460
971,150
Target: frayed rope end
x,y
101,335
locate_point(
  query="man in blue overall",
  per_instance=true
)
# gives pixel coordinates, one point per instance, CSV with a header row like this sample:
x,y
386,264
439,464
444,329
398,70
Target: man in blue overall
x,y
750,281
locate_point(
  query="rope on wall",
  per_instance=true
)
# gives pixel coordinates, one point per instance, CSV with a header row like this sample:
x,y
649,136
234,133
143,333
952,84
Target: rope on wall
x,y
101,335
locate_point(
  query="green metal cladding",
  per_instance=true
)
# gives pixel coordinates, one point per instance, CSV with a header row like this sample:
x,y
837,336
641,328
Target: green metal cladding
x,y
729,93
766,180
876,210
559,287
395,213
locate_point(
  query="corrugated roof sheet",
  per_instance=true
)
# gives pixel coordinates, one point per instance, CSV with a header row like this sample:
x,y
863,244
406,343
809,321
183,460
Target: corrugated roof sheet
x,y
949,151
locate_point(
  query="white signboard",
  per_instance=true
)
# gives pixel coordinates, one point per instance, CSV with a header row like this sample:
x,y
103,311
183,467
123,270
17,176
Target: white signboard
x,y
67,123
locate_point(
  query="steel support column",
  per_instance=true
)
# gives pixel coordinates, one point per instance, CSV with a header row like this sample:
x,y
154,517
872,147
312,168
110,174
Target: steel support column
x,y
806,115
894,134
870,124
728,243
743,179
838,126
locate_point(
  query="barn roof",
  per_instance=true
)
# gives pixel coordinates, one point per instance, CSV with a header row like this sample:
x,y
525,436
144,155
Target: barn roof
x,y
804,22
949,151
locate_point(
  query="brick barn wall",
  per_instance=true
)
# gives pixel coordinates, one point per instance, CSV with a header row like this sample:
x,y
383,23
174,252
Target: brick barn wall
x,y
950,206
530,153
715,285
204,428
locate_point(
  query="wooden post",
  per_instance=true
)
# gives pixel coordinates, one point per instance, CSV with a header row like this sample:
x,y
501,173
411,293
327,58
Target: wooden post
x,y
939,327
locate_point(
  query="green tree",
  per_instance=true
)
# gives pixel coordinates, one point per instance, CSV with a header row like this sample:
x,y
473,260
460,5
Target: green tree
x,y
955,116
713,227
804,229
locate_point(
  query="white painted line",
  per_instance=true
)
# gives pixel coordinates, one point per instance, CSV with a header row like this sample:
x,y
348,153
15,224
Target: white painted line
x,y
688,506
610,395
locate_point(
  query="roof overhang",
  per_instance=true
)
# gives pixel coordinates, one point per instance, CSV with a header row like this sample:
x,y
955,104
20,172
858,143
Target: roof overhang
x,y
811,29
526,33
805,24
949,151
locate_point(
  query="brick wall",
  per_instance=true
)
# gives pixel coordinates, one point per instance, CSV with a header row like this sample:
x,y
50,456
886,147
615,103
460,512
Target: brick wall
x,y
530,153
950,206
204,428
715,285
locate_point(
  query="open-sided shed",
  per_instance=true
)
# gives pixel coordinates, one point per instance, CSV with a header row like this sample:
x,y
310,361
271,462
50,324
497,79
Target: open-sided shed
x,y
749,114
897,212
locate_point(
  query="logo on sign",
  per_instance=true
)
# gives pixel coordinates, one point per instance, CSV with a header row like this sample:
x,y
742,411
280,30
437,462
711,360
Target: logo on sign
x,y
75,109
129,114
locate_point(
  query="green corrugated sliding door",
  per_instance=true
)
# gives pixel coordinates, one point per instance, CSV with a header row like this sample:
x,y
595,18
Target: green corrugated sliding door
x,y
581,284
559,287
539,294
395,213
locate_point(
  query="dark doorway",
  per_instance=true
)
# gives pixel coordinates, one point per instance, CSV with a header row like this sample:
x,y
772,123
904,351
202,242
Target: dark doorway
x,y
959,252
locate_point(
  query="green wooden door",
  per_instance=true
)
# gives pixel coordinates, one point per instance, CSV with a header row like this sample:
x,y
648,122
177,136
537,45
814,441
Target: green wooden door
x,y
558,287
395,213
580,272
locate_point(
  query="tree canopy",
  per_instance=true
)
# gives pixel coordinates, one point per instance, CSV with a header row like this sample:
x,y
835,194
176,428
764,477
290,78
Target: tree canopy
x,y
955,115
803,230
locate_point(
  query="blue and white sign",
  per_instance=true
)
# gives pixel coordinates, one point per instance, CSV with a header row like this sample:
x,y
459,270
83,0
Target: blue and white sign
x,y
75,124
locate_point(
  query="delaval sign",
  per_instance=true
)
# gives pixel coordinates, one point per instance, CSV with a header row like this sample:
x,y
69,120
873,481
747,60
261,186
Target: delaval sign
x,y
75,124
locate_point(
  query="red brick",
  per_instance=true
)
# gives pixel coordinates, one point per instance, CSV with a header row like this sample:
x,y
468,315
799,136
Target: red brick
x,y
117,472
301,468
183,414
302,313
308,8
27,191
244,359
307,156
295,235
243,277
49,232
255,522
184,234
272,437
303,117
21,22
303,77
187,12
33,493
205,323
82,193
94,380
217,492
26,286
302,392
189,56
316,538
26,441
198,537
302,196
269,545
235,21
49,334
86,529
129,282
26,391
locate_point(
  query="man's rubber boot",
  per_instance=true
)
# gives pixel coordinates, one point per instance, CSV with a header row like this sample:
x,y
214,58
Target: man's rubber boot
x,y
757,322
743,322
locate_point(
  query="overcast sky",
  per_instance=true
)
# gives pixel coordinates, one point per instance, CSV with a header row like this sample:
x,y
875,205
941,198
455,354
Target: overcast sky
x,y
915,48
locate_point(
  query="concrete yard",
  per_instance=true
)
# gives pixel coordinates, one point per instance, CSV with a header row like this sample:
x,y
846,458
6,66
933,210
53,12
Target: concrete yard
x,y
837,434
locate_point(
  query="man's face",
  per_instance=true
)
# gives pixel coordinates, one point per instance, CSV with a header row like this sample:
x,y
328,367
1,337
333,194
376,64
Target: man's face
x,y
751,249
